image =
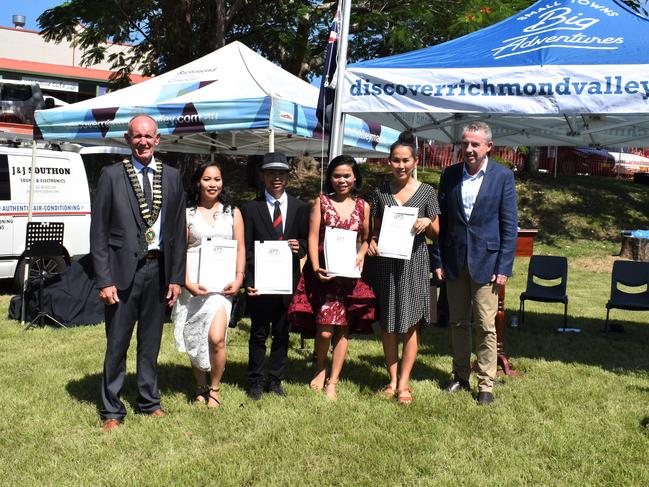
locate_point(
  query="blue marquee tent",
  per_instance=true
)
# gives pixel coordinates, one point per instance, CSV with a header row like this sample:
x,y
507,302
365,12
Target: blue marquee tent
x,y
562,72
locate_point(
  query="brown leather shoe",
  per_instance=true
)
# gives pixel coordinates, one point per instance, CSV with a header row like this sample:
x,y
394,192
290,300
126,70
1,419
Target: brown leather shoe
x,y
111,424
158,413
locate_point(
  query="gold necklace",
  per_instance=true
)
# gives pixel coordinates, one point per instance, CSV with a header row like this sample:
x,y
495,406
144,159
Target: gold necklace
x,y
149,216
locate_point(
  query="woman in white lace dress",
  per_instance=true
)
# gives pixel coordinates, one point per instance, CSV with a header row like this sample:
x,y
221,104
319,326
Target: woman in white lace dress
x,y
201,317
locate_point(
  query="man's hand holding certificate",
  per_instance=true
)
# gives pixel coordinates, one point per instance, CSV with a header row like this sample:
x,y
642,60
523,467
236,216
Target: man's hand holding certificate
x,y
396,237
340,252
273,267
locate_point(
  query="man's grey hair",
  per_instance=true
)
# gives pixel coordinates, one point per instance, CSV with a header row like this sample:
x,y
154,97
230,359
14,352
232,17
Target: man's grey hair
x,y
478,127
130,122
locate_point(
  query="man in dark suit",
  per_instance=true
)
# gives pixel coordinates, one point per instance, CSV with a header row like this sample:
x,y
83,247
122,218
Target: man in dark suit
x,y
477,242
274,215
138,246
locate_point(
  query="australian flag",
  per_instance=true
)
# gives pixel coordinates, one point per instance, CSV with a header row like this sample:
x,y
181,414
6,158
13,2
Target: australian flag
x,y
328,84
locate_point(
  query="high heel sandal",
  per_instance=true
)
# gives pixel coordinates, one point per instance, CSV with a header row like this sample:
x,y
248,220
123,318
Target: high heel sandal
x,y
200,397
214,398
330,389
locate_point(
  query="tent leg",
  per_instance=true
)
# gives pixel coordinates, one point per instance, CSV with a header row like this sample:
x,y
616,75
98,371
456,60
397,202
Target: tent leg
x,y
31,183
29,219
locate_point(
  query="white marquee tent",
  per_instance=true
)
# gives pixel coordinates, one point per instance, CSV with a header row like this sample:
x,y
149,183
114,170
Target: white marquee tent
x,y
230,101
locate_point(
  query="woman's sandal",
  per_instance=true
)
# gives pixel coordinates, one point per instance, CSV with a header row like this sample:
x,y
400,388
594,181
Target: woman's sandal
x,y
200,397
213,398
330,389
404,397
388,392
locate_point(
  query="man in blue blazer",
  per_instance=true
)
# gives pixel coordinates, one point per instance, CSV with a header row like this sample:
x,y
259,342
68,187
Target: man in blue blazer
x,y
477,243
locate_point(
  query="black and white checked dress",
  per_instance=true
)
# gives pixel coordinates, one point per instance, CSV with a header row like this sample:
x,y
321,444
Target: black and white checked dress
x,y
402,287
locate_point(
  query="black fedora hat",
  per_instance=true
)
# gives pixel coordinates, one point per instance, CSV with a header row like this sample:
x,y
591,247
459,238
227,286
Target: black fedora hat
x,y
275,161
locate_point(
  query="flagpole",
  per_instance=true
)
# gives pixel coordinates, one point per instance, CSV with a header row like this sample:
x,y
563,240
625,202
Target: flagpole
x,y
338,122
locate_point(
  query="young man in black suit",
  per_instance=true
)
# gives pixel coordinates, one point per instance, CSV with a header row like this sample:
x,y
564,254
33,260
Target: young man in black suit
x,y
138,245
274,215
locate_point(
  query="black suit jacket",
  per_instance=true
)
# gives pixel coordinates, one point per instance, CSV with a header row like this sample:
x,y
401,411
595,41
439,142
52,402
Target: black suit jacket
x,y
117,229
259,226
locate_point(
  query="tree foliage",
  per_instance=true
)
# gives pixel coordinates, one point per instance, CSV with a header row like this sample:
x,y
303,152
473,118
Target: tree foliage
x,y
164,33
478,14
296,35
169,33
383,28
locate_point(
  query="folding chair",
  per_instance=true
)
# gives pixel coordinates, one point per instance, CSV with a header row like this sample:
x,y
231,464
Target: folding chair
x,y
633,274
546,268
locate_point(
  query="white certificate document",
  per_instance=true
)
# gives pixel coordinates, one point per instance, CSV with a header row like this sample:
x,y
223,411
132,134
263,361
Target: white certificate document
x,y
273,267
217,264
340,252
396,237
193,259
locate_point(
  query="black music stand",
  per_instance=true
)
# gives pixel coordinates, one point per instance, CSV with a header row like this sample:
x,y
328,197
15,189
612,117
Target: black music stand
x,y
43,239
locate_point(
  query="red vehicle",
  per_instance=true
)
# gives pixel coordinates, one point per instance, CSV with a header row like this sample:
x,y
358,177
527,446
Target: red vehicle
x,y
581,161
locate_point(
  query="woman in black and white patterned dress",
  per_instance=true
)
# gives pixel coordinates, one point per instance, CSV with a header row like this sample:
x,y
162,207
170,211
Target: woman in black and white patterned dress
x,y
402,287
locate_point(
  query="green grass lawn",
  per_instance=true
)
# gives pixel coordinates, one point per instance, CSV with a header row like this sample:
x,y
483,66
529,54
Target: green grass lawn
x,y
579,415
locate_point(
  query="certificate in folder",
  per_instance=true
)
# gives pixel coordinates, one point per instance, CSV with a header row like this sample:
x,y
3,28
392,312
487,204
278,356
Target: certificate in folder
x,y
217,263
273,267
396,237
193,259
340,252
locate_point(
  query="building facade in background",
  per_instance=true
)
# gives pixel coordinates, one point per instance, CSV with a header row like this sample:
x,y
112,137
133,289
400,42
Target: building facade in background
x,y
26,56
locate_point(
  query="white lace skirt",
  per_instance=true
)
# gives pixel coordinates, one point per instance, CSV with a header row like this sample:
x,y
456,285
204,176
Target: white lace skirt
x,y
192,317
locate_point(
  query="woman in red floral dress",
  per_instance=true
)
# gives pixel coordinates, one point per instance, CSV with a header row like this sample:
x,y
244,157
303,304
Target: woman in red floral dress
x,y
334,306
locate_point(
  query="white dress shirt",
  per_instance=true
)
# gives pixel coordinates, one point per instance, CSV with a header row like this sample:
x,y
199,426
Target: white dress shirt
x,y
153,165
283,206
471,187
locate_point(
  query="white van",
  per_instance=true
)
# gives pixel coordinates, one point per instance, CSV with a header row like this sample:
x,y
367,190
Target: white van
x,y
60,195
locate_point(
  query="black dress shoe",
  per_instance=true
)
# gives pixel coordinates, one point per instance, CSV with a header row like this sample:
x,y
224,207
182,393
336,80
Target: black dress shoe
x,y
485,398
275,388
255,391
457,385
